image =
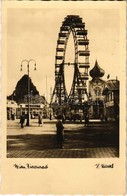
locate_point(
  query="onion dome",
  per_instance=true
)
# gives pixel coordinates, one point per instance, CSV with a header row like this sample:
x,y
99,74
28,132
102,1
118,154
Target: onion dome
x,y
97,72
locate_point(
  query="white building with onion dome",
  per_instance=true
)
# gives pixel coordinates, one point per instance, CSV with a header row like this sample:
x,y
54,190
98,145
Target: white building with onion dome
x,y
96,87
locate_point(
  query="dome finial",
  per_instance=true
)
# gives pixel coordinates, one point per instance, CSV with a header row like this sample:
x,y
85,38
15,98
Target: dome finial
x,y
97,72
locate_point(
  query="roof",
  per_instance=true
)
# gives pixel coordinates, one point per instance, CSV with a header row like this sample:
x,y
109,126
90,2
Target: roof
x,y
111,85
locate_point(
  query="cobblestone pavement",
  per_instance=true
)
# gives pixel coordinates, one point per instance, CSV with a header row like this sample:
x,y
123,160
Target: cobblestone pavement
x,y
98,140
65,153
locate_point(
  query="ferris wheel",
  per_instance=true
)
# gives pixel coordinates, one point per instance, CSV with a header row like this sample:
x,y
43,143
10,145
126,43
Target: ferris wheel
x,y
71,24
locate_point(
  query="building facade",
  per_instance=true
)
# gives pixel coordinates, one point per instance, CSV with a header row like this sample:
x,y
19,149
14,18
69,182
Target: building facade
x,y
111,100
96,87
34,110
37,104
11,109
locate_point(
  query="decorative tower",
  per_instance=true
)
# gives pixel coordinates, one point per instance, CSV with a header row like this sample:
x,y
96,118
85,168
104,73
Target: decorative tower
x,y
96,73
96,86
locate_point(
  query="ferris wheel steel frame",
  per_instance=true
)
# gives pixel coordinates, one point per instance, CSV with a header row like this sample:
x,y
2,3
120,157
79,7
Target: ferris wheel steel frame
x,y
74,24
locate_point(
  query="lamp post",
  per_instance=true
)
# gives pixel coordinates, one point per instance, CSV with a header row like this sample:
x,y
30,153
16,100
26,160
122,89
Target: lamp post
x,y
28,71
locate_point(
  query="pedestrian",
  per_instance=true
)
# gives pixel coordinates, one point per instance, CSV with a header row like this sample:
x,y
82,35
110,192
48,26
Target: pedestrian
x,y
22,120
63,119
60,133
86,120
13,116
40,119
50,116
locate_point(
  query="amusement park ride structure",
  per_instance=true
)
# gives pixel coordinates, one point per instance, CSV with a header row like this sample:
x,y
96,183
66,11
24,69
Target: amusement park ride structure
x,y
60,98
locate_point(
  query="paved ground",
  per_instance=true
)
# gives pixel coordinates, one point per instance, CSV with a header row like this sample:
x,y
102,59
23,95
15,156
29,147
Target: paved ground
x,y
98,140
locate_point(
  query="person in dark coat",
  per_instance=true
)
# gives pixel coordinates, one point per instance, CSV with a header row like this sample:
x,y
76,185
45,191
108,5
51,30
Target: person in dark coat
x,y
86,120
60,133
22,120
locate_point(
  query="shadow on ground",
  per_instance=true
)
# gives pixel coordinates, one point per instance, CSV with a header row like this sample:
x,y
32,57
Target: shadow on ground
x,y
83,137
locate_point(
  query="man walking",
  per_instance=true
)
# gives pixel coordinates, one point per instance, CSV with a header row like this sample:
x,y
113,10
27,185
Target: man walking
x,y
22,120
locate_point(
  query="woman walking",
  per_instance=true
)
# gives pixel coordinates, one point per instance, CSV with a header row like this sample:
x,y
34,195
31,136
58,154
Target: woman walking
x,y
40,119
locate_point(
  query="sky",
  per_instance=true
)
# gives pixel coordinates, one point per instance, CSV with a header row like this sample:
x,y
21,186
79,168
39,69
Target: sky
x,y
32,33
